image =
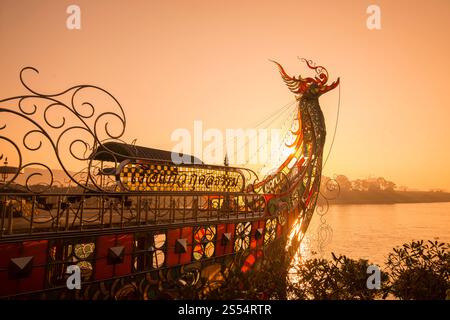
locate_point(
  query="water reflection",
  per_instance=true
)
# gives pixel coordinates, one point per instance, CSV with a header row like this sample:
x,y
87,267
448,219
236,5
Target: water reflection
x,y
371,231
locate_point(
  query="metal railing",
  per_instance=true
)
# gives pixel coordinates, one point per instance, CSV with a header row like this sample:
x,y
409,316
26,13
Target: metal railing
x,y
30,214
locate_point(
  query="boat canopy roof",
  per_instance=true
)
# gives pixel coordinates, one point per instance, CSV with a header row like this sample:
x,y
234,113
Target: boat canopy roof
x,y
124,151
8,170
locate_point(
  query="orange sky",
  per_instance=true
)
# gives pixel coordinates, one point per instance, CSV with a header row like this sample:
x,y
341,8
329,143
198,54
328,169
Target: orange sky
x,y
172,62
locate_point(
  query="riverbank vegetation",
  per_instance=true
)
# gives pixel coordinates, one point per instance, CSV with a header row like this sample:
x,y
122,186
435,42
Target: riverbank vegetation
x,y
419,270
381,191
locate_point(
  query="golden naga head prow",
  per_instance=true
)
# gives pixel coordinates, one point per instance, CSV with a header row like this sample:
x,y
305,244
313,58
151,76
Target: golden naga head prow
x,y
308,86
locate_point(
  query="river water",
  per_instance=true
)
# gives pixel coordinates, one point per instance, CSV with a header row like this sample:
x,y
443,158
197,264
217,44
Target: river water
x,y
371,231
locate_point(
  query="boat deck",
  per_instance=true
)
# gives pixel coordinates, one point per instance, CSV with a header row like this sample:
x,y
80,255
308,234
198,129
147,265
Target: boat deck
x,y
23,215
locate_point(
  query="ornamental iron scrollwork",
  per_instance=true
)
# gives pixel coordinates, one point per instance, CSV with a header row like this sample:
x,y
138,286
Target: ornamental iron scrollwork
x,y
204,242
242,236
75,128
67,125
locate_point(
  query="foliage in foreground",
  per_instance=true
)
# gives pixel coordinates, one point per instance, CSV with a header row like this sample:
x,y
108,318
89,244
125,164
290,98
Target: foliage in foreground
x,y
420,270
266,279
339,278
416,270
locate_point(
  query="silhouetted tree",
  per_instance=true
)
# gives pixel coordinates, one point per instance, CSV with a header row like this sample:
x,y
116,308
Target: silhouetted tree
x,y
390,186
420,270
344,183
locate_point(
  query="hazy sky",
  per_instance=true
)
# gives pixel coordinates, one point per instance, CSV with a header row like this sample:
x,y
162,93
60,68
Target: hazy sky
x,y
172,62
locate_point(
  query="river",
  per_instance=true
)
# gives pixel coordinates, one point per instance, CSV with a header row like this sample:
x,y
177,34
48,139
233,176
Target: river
x,y
371,231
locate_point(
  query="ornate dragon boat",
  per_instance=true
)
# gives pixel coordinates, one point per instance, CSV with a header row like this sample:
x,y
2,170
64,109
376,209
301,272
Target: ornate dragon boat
x,y
138,224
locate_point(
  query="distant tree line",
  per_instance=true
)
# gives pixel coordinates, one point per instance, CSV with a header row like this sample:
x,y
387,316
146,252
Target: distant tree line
x,y
369,184
378,191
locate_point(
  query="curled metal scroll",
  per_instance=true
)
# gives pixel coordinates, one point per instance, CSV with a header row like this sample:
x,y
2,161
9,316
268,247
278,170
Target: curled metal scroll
x,y
68,126
65,122
331,190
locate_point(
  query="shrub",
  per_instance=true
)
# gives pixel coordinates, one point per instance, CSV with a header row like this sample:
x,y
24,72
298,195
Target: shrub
x,y
420,270
339,278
